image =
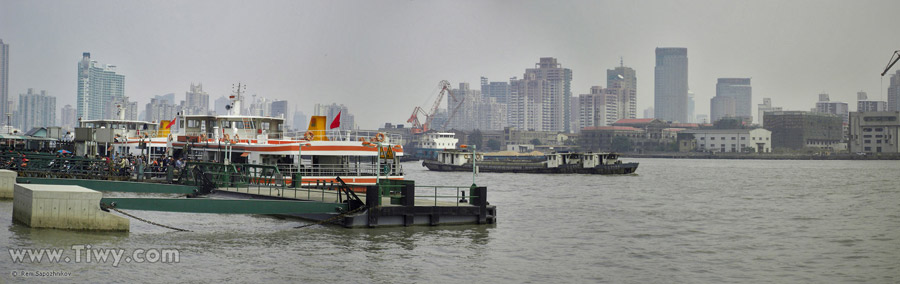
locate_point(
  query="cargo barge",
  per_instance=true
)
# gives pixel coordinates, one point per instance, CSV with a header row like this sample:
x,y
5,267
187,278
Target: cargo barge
x,y
556,163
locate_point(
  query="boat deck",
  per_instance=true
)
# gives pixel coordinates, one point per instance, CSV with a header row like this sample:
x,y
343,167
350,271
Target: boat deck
x,y
327,195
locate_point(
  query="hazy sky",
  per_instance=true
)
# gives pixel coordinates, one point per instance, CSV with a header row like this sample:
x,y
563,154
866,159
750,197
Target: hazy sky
x,y
382,58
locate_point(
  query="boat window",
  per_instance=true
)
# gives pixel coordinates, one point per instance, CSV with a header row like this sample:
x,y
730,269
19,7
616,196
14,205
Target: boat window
x,y
265,125
239,124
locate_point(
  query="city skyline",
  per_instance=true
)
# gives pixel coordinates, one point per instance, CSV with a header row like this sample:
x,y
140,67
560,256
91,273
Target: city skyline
x,y
790,61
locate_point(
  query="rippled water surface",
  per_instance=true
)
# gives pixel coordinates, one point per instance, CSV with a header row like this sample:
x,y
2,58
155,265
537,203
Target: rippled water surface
x,y
676,221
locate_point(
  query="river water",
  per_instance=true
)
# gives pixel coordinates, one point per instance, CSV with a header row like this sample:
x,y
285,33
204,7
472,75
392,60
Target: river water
x,y
676,221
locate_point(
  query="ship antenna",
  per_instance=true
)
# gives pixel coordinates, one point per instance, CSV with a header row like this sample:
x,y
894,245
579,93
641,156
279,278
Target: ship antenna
x,y
237,98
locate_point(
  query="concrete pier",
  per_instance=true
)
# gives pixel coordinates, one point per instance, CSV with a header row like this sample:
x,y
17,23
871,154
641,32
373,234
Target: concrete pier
x,y
63,207
7,184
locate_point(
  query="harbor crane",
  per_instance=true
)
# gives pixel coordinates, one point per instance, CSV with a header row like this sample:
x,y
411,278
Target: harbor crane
x,y
894,58
417,126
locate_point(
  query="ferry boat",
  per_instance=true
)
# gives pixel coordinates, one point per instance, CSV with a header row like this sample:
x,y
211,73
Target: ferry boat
x,y
112,137
556,163
316,155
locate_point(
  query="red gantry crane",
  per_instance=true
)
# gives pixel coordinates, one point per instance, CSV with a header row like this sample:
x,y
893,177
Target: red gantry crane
x,y
417,126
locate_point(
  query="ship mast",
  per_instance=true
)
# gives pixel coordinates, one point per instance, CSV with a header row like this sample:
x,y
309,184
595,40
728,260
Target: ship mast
x,y
236,98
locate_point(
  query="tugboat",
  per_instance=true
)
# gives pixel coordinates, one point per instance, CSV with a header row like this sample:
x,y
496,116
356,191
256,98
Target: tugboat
x,y
556,163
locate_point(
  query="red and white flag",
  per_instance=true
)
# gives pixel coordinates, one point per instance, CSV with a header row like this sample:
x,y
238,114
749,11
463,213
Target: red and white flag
x,y
336,122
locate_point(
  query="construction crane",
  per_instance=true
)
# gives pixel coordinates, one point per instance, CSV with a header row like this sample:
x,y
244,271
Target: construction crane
x,y
894,58
417,126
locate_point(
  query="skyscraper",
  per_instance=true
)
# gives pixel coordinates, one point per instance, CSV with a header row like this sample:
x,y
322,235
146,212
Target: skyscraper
x,y
599,108
840,109
160,109
299,122
96,87
764,107
690,106
36,110
4,78
624,79
120,108
671,85
196,101
741,94
893,93
330,111
279,108
863,104
721,107
540,101
67,118
498,90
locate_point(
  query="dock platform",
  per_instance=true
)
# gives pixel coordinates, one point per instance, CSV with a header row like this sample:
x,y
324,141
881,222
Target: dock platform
x,y
408,205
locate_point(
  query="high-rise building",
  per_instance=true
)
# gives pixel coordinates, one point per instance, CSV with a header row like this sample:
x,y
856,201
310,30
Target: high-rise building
x,y
259,106
624,80
649,112
196,101
721,107
863,104
36,110
690,106
4,78
299,121
330,111
489,114
160,109
461,104
540,101
671,84
840,109
96,87
764,107
67,119
894,92
741,92
279,108
497,90
168,98
120,108
495,93
475,110
599,108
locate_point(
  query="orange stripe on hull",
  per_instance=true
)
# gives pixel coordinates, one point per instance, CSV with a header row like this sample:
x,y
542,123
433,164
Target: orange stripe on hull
x,y
286,148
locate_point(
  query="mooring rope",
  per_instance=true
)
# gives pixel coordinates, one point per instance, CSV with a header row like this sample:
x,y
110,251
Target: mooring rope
x,y
146,221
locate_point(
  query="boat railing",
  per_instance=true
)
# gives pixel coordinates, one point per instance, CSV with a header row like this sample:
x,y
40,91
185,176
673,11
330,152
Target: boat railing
x,y
435,195
342,170
333,135
445,195
350,135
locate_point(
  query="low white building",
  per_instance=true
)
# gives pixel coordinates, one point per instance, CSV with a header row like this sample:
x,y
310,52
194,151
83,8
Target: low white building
x,y
727,140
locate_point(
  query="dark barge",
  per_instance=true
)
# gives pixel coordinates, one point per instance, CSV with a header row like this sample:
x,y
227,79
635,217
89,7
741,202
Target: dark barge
x,y
556,163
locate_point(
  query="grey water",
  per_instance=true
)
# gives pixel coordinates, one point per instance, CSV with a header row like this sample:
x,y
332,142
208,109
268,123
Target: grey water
x,y
675,221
